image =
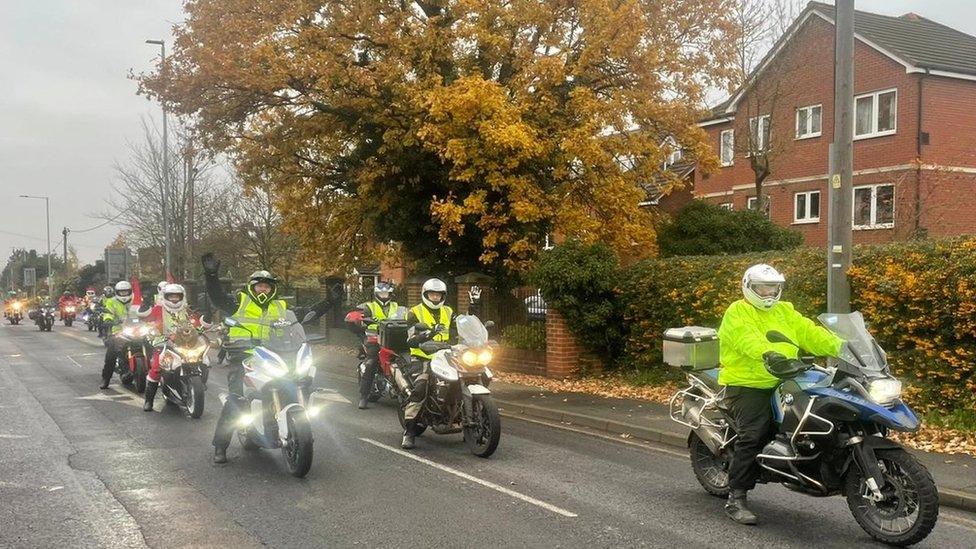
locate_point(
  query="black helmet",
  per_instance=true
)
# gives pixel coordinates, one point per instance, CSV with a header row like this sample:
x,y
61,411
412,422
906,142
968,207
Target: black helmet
x,y
258,277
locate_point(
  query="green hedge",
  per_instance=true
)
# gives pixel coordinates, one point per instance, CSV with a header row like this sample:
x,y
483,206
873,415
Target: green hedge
x,y
919,299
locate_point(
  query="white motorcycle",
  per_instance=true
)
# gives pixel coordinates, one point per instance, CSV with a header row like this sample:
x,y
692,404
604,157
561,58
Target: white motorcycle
x,y
278,376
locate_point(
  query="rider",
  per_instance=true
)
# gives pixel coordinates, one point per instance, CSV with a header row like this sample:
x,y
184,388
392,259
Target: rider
x,y
380,308
89,295
255,309
431,311
67,300
749,363
173,314
117,310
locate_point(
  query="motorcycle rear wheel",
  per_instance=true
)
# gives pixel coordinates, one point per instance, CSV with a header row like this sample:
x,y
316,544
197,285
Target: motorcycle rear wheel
x,y
912,500
711,471
482,439
195,397
298,450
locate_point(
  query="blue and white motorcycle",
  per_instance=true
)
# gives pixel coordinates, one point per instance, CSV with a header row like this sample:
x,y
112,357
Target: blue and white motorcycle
x,y
831,422
278,374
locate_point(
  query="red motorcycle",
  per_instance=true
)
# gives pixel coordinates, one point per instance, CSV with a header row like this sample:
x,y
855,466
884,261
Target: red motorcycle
x,y
69,311
390,343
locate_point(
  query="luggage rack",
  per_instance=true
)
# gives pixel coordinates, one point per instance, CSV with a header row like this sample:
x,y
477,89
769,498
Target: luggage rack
x,y
680,404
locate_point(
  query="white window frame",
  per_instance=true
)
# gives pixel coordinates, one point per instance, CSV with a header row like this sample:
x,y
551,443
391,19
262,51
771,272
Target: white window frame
x,y
547,243
722,148
809,109
726,206
762,128
874,207
874,115
807,218
750,201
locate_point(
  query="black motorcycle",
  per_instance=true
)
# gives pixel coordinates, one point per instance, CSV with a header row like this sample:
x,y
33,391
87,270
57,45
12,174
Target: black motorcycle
x,y
44,317
91,317
135,342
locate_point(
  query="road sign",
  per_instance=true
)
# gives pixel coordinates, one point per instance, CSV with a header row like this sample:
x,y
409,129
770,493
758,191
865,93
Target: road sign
x,y
30,277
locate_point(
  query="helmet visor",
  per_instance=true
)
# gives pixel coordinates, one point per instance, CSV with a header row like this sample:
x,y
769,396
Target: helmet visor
x,y
767,290
174,298
435,297
123,293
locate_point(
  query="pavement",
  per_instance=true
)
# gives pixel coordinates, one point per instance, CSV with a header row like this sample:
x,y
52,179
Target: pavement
x,y
89,468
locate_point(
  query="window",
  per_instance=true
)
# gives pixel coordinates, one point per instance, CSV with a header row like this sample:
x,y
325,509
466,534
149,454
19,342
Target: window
x,y
874,207
875,114
673,151
726,145
759,133
547,242
751,204
808,121
806,207
726,206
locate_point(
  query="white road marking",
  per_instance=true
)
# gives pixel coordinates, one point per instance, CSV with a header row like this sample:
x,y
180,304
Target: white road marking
x,y
13,436
115,397
75,362
329,395
465,476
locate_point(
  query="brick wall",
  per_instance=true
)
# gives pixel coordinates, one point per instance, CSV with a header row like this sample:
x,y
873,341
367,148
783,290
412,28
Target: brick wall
x,y
565,357
519,361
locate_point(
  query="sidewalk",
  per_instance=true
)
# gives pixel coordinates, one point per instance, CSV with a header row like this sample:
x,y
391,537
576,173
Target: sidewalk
x,y
955,475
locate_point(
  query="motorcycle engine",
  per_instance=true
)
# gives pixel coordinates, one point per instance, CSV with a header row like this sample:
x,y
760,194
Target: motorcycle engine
x,y
780,454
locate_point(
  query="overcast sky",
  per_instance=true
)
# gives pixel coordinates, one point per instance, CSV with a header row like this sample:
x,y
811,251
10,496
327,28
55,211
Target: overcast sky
x,y
67,108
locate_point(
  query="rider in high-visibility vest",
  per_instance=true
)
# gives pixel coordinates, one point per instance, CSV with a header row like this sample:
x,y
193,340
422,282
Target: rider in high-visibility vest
x,y
380,308
116,311
255,309
431,312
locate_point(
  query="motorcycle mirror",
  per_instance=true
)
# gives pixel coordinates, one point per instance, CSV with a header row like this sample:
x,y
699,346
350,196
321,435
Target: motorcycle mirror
x,y
490,324
309,316
232,322
778,337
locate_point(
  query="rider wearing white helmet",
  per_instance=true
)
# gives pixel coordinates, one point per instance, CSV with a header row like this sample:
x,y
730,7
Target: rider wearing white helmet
x,y
752,367
174,313
381,307
117,310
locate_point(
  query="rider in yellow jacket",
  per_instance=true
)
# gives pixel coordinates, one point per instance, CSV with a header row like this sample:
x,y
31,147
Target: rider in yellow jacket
x,y
747,358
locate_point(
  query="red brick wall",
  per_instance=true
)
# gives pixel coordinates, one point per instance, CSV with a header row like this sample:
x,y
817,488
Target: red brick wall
x,y
565,357
949,117
519,361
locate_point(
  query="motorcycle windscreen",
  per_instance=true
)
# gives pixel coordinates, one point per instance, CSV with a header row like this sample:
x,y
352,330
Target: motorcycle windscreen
x,y
860,348
471,331
287,335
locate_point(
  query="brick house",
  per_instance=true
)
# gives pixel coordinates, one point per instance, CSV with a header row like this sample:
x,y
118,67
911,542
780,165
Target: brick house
x,y
915,129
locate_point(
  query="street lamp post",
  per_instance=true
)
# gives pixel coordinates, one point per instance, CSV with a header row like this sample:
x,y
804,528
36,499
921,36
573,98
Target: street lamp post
x,y
47,213
164,185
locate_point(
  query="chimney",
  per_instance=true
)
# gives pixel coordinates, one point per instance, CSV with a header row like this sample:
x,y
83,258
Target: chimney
x,y
911,16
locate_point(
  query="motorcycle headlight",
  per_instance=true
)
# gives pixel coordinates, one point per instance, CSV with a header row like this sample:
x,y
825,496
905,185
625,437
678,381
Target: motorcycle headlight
x,y
69,309
273,368
443,370
16,306
484,357
884,391
469,358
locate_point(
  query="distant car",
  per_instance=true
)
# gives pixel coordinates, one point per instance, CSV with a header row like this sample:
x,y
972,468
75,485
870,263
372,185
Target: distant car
x,y
535,307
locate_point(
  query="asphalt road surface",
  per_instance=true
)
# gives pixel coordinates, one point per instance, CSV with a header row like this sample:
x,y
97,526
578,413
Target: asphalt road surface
x,y
80,467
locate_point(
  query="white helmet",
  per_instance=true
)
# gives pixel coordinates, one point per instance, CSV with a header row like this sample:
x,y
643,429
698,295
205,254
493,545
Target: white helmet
x,y
174,290
123,291
161,286
762,286
433,285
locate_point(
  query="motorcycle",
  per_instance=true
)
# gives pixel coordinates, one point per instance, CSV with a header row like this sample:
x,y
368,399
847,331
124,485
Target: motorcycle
x,y
185,366
44,317
90,317
831,424
68,314
391,339
101,326
278,375
458,398
14,312
135,342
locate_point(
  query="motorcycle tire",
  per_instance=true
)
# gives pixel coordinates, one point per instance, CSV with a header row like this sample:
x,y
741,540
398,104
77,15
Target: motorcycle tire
x,y
911,492
299,448
482,440
375,392
140,374
68,322
195,395
711,471
245,439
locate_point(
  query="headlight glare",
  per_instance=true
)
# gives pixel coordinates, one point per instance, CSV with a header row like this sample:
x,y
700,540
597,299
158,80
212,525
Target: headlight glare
x,y
884,391
484,357
469,358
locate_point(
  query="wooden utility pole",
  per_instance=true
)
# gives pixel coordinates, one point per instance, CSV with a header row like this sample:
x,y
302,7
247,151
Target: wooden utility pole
x,y
840,189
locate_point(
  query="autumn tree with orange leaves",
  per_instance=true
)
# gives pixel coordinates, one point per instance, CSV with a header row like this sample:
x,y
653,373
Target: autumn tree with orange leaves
x,y
460,131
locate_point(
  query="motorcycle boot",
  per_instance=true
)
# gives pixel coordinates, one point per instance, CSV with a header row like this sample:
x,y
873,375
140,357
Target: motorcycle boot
x,y
737,509
363,404
105,382
408,436
151,387
220,454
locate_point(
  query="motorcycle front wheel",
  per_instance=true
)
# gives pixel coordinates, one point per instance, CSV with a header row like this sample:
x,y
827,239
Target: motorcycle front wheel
x,y
711,471
482,437
140,374
194,399
298,447
67,322
911,505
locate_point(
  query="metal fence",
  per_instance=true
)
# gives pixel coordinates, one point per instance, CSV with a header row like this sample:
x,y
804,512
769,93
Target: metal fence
x,y
519,316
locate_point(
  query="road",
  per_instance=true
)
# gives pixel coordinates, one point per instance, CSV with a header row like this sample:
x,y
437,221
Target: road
x,y
88,468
